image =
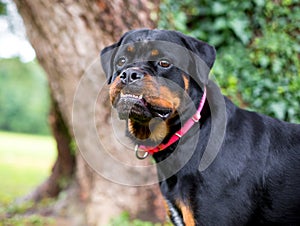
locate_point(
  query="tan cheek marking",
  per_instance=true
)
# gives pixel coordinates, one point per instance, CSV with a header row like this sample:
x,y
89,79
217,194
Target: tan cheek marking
x,y
169,96
113,89
161,102
186,82
161,97
188,216
154,52
176,101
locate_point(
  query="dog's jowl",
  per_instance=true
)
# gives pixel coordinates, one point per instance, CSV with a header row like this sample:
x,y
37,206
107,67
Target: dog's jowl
x,y
158,82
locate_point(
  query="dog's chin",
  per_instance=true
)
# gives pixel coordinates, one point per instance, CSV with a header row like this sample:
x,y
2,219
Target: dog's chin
x,y
146,123
137,109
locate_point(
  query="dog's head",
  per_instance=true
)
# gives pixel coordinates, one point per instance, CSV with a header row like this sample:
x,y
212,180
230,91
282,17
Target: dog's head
x,y
152,76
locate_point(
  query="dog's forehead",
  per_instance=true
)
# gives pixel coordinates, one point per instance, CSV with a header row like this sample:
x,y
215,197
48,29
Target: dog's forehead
x,y
150,50
144,36
152,45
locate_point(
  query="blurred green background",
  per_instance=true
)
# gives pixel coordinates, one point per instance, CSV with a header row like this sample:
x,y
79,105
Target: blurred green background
x,y
24,98
258,49
257,66
27,149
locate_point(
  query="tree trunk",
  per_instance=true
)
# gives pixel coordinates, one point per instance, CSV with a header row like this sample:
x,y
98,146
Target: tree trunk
x,y
67,37
63,169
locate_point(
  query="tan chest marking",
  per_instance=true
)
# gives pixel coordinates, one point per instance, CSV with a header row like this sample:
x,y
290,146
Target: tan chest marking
x,y
180,214
188,216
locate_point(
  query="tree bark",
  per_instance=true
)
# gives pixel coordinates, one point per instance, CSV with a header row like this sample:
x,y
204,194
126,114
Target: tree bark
x,y
67,37
64,166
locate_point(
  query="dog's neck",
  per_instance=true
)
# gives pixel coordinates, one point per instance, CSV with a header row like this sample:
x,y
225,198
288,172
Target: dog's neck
x,y
179,126
184,121
190,135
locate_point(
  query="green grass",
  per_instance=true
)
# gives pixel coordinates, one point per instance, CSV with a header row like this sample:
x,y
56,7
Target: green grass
x,y
25,161
30,220
124,220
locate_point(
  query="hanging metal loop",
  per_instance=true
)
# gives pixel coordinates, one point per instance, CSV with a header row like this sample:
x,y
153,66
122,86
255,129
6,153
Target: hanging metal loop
x,y
139,153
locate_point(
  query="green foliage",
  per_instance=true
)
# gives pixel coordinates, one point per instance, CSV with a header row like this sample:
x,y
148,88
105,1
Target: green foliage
x,y
124,220
2,8
24,100
258,48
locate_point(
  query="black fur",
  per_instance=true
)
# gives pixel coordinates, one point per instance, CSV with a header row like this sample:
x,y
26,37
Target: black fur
x,y
255,178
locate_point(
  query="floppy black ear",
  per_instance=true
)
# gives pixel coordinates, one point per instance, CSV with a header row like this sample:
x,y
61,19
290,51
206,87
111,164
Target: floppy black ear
x,y
205,52
107,56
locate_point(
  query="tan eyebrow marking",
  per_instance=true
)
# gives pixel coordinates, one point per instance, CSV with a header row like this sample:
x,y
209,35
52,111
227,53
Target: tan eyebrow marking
x,y
130,48
154,52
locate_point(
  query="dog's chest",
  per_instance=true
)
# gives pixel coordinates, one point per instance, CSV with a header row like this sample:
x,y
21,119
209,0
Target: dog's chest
x,y
179,213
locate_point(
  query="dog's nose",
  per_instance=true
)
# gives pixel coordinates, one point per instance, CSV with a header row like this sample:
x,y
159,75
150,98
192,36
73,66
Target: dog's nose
x,y
129,76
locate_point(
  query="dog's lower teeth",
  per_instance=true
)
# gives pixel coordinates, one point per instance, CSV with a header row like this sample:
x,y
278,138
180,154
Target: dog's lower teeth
x,y
163,115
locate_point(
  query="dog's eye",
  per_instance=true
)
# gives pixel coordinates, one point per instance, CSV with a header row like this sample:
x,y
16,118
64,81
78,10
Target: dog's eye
x,y
121,61
164,63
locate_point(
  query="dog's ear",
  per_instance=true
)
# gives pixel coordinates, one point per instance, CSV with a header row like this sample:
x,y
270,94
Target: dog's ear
x,y
107,56
205,52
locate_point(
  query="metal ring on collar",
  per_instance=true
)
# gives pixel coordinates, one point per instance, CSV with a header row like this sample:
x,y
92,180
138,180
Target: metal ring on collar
x,y
137,153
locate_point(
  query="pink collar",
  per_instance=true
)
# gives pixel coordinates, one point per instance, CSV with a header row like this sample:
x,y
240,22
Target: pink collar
x,y
186,127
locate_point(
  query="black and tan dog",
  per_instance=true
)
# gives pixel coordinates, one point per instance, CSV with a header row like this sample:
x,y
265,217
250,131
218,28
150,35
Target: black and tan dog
x,y
157,88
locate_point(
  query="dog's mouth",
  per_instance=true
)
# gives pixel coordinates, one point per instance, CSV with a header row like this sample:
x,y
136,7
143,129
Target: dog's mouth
x,y
139,108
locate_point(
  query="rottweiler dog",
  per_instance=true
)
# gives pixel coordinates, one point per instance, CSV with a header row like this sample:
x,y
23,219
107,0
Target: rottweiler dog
x,y
157,82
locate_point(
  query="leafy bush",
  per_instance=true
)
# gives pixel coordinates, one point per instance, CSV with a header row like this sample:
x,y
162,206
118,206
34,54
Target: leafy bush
x,y
24,100
258,48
